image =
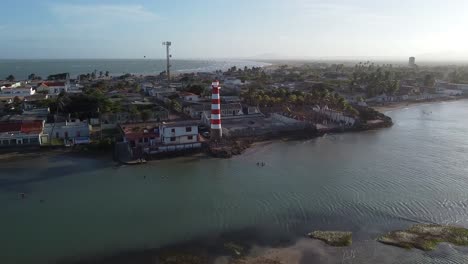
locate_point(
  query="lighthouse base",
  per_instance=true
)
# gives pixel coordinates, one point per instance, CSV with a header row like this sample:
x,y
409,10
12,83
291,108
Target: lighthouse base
x,y
216,134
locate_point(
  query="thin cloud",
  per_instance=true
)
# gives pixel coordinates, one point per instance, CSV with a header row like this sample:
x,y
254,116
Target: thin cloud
x,y
102,13
342,11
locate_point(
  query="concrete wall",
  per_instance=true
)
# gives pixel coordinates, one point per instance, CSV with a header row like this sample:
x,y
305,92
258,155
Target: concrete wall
x,y
284,119
173,148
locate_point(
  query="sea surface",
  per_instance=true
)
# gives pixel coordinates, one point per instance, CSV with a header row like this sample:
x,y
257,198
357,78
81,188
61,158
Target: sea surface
x,y
369,183
22,68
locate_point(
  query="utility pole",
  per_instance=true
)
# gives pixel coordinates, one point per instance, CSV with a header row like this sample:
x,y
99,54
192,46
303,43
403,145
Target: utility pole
x,y
168,57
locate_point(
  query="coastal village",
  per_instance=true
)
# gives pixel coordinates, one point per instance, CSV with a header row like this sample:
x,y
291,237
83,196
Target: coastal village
x,y
138,118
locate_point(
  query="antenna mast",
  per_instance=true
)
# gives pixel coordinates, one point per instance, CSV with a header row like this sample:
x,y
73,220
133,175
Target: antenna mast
x,y
168,57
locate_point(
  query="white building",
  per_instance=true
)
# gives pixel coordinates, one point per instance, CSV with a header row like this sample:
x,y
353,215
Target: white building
x,y
54,87
460,86
69,132
14,90
189,97
450,92
179,133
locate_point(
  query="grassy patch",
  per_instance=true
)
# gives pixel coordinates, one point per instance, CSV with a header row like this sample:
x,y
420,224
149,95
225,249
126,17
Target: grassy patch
x,y
426,237
333,238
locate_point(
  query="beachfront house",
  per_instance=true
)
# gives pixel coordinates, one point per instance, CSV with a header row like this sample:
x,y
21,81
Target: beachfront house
x,y
66,133
154,138
140,134
184,132
20,133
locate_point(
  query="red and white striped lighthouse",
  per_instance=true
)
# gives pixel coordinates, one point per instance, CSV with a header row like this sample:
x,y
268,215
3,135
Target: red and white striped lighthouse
x,y
216,131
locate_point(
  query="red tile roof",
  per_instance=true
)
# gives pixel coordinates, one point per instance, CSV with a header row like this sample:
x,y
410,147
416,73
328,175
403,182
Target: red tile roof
x,y
53,84
27,127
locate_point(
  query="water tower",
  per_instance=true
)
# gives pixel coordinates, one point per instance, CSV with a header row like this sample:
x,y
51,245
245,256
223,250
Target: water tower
x,y
412,62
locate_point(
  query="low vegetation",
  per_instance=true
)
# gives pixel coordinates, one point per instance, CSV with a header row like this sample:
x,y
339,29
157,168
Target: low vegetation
x,y
426,236
333,238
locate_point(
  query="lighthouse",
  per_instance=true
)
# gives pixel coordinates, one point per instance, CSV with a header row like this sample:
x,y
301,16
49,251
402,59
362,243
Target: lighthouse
x,y
216,131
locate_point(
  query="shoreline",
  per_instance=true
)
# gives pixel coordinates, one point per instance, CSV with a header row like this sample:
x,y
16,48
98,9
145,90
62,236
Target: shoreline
x,y
254,245
213,67
402,105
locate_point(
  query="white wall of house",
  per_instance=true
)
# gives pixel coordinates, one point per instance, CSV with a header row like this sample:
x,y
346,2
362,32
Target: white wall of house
x,y
179,134
450,92
68,130
18,91
461,86
53,89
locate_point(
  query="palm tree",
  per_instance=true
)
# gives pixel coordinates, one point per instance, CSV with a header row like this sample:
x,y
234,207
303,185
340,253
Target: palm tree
x,y
145,115
61,102
10,78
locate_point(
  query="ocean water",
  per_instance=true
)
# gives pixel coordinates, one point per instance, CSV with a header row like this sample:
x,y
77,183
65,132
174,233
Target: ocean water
x,y
369,183
22,68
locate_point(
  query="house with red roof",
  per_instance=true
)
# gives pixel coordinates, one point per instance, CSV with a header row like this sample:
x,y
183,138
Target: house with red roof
x,y
53,87
21,133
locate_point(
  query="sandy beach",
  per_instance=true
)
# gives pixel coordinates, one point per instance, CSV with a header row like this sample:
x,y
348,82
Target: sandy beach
x,y
400,105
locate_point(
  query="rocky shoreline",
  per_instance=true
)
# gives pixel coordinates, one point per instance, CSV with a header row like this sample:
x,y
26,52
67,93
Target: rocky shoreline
x,y
241,248
230,147
426,236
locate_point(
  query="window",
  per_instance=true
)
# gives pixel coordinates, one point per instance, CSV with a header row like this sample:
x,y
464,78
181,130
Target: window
x,y
78,134
188,129
173,130
190,137
173,139
66,134
56,134
34,140
5,142
25,140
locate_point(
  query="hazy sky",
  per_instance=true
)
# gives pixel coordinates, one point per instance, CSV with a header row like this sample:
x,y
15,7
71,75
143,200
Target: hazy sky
x,y
239,28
